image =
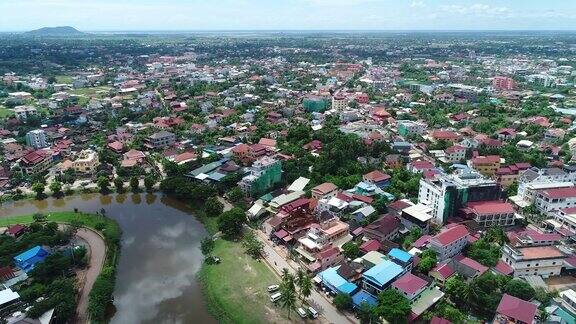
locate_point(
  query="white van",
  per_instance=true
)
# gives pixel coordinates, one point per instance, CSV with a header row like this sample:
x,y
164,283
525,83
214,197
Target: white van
x,y
275,297
302,312
313,312
273,288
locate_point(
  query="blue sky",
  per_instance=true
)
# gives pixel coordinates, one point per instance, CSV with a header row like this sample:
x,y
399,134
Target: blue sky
x,y
95,15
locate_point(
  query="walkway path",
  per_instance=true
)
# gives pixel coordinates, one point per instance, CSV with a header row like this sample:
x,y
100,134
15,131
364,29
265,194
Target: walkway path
x,y
97,252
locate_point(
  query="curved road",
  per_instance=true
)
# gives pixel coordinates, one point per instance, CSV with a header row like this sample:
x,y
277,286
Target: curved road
x,y
97,251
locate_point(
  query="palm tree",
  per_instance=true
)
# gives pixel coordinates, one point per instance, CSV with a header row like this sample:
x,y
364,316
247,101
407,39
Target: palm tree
x,y
304,284
288,299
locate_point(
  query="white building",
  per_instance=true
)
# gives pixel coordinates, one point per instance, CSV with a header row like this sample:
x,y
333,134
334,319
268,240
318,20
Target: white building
x,y
23,112
549,200
542,261
446,194
566,217
36,139
449,242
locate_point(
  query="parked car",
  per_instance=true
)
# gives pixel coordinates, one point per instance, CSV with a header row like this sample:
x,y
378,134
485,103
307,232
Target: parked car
x,y
275,297
313,312
302,312
273,288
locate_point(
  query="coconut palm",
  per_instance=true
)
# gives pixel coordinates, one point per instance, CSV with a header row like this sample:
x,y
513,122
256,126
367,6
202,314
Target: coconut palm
x,y
304,284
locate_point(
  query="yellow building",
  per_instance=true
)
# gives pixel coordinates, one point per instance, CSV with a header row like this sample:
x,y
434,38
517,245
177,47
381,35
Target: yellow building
x,y
87,162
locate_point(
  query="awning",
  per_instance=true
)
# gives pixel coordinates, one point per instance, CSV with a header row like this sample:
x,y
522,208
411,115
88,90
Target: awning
x,y
348,288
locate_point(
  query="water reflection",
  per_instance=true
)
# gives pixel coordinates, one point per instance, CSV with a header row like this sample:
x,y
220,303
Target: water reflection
x,y
160,254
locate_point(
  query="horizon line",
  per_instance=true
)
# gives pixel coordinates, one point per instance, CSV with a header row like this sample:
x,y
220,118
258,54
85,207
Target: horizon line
x,y
294,30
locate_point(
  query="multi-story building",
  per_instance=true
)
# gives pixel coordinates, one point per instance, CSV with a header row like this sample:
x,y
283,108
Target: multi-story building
x,y
449,242
161,139
339,102
515,310
36,139
542,261
35,162
381,276
509,174
264,173
503,83
409,127
86,162
486,165
318,249
490,213
325,190
566,217
550,200
23,112
454,154
446,194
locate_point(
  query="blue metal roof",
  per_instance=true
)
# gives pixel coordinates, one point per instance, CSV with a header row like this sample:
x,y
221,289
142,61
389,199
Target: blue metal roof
x,y
400,255
384,272
334,281
364,297
30,254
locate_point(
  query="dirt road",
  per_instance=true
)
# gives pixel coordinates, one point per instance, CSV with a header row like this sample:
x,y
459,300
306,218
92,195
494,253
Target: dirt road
x,y
97,252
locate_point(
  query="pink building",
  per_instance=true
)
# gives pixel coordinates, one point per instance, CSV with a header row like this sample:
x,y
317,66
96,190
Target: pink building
x,y
503,83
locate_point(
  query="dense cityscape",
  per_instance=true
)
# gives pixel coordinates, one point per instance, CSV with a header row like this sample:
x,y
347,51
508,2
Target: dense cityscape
x,y
337,177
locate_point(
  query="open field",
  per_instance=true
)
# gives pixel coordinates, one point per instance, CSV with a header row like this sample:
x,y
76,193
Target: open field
x,y
235,289
89,92
64,79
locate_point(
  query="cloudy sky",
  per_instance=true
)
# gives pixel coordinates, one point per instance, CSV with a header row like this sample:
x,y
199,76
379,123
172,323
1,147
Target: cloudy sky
x,y
102,15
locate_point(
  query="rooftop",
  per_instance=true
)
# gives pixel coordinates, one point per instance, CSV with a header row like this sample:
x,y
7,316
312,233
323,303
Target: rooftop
x,y
517,309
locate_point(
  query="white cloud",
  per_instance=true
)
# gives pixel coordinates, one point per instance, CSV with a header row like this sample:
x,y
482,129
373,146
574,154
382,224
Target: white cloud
x,y
417,4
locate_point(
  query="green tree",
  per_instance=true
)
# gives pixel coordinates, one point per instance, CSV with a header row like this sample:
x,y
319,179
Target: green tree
x,y
56,188
39,218
119,184
366,313
458,291
520,288
207,246
104,184
252,245
236,195
149,182
288,299
213,207
343,302
134,184
38,188
393,306
428,261
304,284
351,249
230,222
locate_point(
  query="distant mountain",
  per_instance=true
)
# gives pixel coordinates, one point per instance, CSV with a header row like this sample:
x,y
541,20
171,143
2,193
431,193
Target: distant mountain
x,y
56,31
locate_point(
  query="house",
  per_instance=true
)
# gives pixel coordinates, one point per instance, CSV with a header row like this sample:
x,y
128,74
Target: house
x,y
402,258
467,267
507,175
377,178
442,272
86,162
384,229
7,298
36,162
444,135
161,139
27,260
133,158
505,134
332,280
16,230
6,273
544,261
490,213
486,165
449,242
410,286
393,161
549,200
363,213
325,190
379,277
455,153
420,166
515,310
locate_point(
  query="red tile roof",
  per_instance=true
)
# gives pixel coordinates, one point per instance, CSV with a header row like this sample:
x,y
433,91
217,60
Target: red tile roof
x,y
560,193
471,264
490,207
439,320
450,235
409,283
503,268
490,159
376,176
444,270
517,309
371,245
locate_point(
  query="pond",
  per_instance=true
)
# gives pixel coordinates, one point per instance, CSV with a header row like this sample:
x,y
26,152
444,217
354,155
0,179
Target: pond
x,y
160,255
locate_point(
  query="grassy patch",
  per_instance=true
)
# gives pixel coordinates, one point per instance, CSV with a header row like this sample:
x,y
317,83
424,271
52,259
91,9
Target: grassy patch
x,y
90,92
235,289
64,79
5,112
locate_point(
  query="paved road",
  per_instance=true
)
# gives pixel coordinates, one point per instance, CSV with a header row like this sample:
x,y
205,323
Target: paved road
x,y
318,300
97,251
